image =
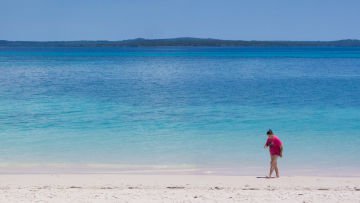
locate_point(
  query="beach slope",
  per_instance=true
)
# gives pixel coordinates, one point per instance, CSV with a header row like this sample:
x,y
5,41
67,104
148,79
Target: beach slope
x,y
178,188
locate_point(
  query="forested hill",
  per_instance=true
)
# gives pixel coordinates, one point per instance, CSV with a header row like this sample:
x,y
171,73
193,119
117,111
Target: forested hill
x,y
187,42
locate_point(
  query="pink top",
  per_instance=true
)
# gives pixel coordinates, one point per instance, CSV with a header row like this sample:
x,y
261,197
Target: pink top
x,y
274,144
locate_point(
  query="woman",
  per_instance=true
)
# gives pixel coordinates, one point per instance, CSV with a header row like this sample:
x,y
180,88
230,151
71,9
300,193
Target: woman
x,y
276,148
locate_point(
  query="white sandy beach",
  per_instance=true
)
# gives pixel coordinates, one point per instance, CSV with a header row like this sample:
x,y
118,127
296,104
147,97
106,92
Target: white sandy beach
x,y
175,188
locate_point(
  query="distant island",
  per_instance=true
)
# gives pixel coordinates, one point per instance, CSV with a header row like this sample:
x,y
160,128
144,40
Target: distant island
x,y
180,42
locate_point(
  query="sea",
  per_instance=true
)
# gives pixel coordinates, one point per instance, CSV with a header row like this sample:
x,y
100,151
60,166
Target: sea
x,y
187,110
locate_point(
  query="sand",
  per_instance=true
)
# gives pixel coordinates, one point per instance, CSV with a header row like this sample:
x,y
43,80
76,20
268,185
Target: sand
x,y
175,188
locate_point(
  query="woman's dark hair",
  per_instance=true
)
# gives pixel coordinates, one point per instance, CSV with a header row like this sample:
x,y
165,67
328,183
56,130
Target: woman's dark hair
x,y
269,132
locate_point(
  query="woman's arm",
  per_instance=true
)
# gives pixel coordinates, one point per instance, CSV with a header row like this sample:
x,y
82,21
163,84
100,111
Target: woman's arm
x,y
267,143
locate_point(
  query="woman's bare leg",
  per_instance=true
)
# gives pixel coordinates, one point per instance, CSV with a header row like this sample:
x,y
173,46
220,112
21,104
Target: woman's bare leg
x,y
276,167
271,170
272,166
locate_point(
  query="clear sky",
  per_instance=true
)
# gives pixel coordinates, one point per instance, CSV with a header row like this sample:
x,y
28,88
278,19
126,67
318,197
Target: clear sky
x,y
43,20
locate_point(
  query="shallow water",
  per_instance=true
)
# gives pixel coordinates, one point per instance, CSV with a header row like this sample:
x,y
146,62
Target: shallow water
x,y
202,108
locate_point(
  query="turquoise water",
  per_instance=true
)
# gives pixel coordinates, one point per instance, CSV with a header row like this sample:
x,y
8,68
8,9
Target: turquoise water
x,y
200,109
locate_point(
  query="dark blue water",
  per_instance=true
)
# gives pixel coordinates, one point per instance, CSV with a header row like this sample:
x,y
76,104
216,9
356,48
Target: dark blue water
x,y
205,109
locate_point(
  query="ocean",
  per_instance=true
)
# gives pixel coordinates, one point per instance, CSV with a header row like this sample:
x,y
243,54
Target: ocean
x,y
179,110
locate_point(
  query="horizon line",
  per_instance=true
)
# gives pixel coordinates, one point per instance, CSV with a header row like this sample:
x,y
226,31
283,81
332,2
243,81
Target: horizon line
x,y
174,38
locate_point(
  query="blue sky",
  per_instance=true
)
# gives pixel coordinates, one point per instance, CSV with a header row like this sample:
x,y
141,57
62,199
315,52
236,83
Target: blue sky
x,y
43,20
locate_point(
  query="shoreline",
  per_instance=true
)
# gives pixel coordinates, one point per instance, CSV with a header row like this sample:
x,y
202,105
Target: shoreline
x,y
180,188
182,169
